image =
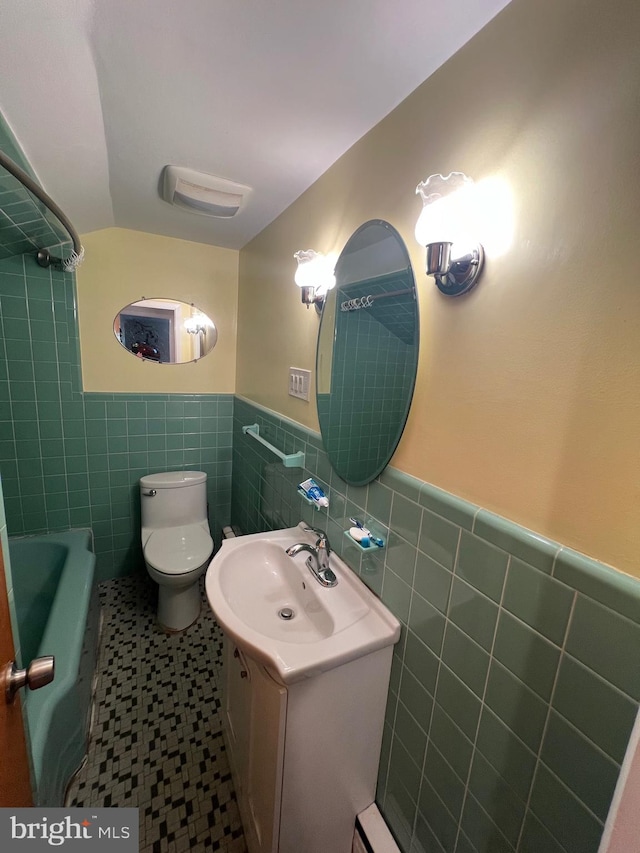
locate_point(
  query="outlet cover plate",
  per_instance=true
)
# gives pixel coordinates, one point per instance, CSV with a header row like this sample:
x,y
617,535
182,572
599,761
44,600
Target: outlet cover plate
x,y
299,382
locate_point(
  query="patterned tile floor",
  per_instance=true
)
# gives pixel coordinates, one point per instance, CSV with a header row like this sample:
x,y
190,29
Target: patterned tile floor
x,y
156,740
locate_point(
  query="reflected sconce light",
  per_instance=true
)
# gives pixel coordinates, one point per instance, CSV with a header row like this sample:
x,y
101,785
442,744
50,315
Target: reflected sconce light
x,y
314,276
447,228
195,324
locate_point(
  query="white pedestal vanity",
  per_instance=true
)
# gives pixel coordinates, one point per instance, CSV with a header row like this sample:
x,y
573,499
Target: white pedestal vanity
x,y
306,672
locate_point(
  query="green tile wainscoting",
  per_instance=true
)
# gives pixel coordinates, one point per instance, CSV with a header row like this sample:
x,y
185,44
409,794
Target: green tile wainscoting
x,y
516,681
73,459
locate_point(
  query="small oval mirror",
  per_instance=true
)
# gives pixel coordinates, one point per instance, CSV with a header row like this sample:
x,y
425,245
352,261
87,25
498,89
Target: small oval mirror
x,y
165,331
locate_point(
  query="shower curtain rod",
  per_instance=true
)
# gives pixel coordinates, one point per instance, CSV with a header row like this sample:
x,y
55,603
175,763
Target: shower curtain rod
x,y
43,256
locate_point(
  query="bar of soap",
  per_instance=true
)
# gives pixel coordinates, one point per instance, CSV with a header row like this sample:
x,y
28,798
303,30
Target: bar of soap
x,y
360,536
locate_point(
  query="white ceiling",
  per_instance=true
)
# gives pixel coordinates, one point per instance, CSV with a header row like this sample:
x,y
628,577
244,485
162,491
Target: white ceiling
x,y
102,94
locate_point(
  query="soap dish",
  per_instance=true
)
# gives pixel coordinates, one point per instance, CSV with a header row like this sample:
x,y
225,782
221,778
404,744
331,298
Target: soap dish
x,y
371,549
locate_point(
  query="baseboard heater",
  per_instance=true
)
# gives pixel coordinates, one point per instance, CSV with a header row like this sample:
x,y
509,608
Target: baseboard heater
x,y
372,833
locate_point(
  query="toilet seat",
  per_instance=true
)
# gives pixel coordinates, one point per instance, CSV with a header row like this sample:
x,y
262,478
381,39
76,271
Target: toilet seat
x,y
178,550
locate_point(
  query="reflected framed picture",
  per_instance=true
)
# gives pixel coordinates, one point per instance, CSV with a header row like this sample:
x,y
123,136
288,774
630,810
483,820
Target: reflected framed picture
x,y
149,332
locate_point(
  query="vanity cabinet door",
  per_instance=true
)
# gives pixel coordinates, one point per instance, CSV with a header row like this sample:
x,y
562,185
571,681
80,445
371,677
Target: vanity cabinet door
x,y
255,713
237,712
266,758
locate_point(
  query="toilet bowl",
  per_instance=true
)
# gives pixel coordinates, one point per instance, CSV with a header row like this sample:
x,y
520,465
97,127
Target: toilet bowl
x,y
176,542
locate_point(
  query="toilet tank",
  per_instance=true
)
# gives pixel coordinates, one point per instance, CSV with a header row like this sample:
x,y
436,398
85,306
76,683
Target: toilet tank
x,y
180,498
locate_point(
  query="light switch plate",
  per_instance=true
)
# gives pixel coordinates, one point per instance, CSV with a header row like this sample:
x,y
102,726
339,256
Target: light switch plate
x,y
299,382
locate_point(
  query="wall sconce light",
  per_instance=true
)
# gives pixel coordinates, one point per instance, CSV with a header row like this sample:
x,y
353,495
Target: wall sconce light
x,y
447,227
314,276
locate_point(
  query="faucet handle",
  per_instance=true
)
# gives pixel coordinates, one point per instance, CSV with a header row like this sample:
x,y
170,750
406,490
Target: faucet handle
x,y
323,541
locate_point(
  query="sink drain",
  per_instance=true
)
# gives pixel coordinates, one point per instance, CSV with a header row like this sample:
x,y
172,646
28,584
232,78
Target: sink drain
x,y
286,613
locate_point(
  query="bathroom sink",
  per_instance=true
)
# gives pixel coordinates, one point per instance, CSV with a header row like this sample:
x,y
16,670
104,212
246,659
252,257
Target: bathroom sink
x,y
276,611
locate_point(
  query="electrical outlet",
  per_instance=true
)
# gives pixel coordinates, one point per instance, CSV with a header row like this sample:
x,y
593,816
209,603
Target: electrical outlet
x,y
299,382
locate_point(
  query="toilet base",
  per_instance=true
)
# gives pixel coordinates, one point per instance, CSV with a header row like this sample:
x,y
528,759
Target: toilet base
x,y
178,607
179,597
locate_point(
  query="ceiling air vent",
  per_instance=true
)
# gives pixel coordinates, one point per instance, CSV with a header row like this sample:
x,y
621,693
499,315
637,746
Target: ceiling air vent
x,y
202,193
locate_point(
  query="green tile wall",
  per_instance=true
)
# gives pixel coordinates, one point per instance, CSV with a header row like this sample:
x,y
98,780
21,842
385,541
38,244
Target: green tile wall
x,y
26,225
4,544
516,681
73,459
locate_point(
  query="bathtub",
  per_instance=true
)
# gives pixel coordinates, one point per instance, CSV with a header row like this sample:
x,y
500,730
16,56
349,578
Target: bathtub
x,y
57,613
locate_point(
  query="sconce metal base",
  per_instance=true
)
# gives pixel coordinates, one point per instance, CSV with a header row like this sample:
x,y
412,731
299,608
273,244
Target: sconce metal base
x,y
309,298
463,273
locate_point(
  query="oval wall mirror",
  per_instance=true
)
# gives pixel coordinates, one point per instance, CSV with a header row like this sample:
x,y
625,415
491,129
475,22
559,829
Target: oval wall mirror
x,y
165,331
367,354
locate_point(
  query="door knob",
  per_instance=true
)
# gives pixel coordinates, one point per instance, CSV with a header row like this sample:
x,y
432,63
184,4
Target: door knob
x,y
39,672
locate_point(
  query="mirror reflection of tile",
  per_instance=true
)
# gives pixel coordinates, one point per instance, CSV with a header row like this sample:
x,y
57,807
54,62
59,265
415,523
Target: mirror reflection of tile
x,y
367,407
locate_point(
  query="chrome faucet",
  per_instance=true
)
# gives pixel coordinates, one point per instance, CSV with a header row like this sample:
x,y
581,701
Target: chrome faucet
x,y
318,561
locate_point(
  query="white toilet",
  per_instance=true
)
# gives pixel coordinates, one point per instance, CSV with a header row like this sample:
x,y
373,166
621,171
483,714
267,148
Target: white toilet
x,y
176,542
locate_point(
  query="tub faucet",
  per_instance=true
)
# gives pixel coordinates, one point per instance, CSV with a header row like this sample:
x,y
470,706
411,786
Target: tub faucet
x,y
318,561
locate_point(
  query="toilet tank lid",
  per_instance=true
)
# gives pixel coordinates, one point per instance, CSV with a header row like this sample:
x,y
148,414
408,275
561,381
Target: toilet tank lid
x,y
172,479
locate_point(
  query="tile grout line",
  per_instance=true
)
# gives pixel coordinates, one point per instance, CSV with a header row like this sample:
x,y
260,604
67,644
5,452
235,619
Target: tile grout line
x,y
435,686
546,722
395,711
42,454
482,704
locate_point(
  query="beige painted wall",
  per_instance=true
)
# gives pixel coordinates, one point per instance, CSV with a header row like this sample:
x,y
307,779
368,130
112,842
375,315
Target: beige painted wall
x,y
122,266
527,399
